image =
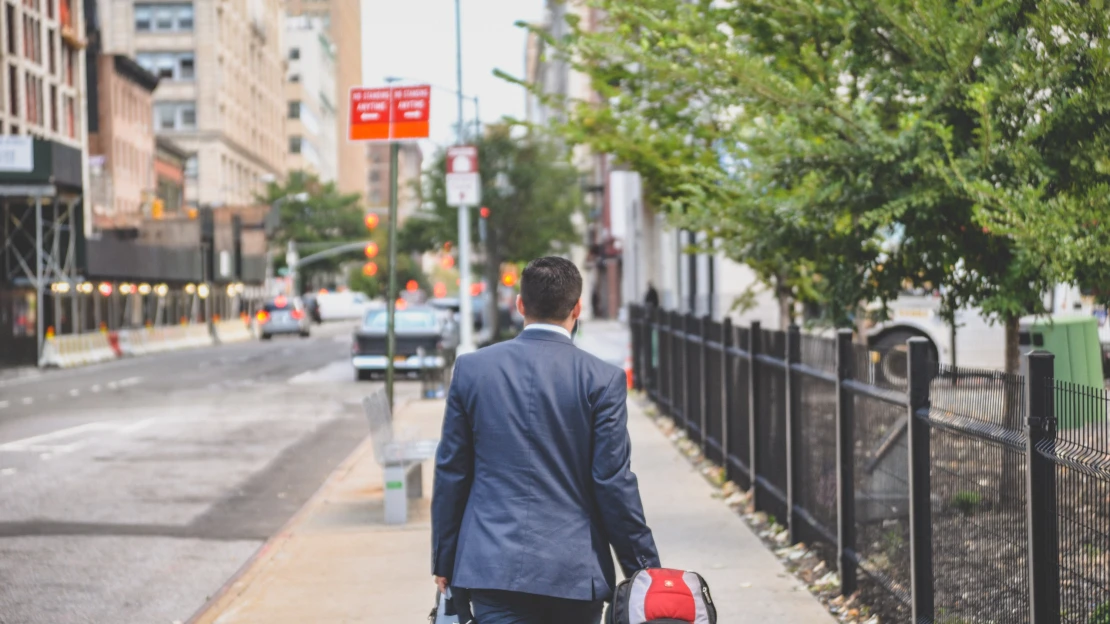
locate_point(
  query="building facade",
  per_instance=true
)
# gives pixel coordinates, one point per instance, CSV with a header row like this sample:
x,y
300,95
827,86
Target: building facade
x,y
311,124
343,20
221,93
121,144
43,176
410,164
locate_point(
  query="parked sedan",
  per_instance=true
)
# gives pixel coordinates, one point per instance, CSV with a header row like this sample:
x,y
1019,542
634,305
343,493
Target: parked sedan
x,y
283,315
418,329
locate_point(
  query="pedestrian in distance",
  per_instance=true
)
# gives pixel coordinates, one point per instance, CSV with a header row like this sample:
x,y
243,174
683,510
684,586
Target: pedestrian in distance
x,y
651,299
533,483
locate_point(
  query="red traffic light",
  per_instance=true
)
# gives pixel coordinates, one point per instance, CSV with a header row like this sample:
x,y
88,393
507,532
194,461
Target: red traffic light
x,y
370,269
484,212
412,286
440,290
372,221
371,250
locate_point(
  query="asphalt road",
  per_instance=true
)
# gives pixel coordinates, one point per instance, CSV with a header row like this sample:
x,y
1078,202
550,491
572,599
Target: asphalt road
x,y
131,491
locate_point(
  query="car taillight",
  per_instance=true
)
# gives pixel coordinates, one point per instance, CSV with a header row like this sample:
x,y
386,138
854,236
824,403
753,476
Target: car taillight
x,y
263,316
298,314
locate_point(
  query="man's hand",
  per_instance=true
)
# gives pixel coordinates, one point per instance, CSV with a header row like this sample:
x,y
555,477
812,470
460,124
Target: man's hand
x,y
441,583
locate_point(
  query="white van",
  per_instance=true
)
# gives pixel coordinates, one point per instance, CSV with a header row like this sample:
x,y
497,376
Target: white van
x,y
337,306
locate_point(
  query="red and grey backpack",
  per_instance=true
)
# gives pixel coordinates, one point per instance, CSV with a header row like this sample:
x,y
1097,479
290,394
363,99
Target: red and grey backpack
x,y
662,596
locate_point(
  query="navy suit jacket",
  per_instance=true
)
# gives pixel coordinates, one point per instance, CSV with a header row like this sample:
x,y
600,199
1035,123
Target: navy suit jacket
x,y
533,482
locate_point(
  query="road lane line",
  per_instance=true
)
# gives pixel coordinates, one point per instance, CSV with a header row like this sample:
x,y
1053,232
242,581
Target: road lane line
x,y
75,392
4,404
28,400
95,388
112,385
130,381
35,443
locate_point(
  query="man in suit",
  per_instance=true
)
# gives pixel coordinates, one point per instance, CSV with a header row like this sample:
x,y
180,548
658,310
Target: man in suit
x,y
533,482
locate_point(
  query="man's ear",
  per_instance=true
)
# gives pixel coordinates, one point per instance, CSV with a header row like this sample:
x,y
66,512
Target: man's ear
x,y
520,305
577,311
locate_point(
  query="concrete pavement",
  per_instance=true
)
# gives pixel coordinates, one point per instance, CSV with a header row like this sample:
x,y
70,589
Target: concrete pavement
x,y
337,563
132,490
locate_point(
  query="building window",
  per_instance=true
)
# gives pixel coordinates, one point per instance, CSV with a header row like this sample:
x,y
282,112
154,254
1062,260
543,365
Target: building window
x,y
191,167
294,145
169,65
294,109
142,17
9,10
294,54
175,115
375,176
295,78
164,17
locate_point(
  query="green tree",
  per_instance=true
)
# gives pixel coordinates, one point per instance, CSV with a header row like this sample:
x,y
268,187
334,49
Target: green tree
x,y
532,193
327,216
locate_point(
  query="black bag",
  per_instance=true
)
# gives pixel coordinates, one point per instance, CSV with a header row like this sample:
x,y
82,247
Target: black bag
x,y
454,608
662,596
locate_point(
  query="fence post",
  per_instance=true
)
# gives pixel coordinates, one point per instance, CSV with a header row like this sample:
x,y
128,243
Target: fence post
x,y
651,367
793,432
703,390
754,336
686,402
635,328
1040,498
726,396
845,464
921,513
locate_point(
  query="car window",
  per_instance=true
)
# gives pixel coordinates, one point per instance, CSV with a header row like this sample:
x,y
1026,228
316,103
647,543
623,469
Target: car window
x,y
405,320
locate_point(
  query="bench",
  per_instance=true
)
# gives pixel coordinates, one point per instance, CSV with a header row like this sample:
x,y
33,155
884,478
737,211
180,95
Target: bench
x,y
401,459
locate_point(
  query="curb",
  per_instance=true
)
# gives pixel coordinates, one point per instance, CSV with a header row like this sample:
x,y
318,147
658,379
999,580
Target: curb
x,y
241,580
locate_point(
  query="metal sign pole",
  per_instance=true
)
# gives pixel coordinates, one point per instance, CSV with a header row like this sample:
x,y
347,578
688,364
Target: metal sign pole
x,y
391,303
466,329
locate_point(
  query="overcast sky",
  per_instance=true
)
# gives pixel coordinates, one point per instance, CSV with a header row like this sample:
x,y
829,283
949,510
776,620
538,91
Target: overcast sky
x,y
416,39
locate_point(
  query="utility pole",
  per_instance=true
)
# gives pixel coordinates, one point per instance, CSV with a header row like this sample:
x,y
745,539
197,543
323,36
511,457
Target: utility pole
x,y
466,312
391,333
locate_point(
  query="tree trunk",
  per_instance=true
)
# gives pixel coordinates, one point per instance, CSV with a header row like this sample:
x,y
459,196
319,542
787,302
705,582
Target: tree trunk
x,y
785,299
1012,479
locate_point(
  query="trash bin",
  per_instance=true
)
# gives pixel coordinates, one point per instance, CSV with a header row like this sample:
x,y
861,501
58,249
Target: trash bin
x,y
1074,342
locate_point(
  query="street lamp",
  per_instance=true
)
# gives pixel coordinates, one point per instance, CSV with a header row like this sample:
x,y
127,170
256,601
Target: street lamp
x,y
272,222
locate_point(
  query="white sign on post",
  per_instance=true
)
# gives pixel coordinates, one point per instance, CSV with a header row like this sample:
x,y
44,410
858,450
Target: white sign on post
x,y
464,183
17,154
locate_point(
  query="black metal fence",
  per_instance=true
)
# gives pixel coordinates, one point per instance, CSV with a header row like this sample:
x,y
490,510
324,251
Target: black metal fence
x,y
958,495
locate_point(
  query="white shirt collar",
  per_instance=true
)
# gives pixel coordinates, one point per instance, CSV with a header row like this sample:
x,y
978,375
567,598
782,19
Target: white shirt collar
x,y
549,327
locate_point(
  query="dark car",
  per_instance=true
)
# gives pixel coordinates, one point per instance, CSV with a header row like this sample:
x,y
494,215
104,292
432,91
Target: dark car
x,y
419,329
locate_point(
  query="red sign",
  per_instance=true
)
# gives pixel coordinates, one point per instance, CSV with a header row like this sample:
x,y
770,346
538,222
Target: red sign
x,y
369,114
462,159
410,112
386,113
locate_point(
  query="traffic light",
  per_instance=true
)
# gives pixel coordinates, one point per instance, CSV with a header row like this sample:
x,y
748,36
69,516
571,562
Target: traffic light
x,y
447,262
370,269
508,278
371,250
412,286
372,221
484,212
439,290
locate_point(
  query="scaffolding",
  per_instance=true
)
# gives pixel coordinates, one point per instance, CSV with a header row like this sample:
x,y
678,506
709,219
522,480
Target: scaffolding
x,y
39,233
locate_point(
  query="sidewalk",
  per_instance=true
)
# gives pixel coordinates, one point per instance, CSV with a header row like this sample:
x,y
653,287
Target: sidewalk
x,y
337,563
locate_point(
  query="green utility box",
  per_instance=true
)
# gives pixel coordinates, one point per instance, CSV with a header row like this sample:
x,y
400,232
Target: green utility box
x,y
1074,342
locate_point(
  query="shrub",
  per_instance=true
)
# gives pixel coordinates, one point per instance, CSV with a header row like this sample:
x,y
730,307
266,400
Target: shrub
x,y
966,502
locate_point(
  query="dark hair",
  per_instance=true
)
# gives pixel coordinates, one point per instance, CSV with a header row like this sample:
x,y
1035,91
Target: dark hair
x,y
550,287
